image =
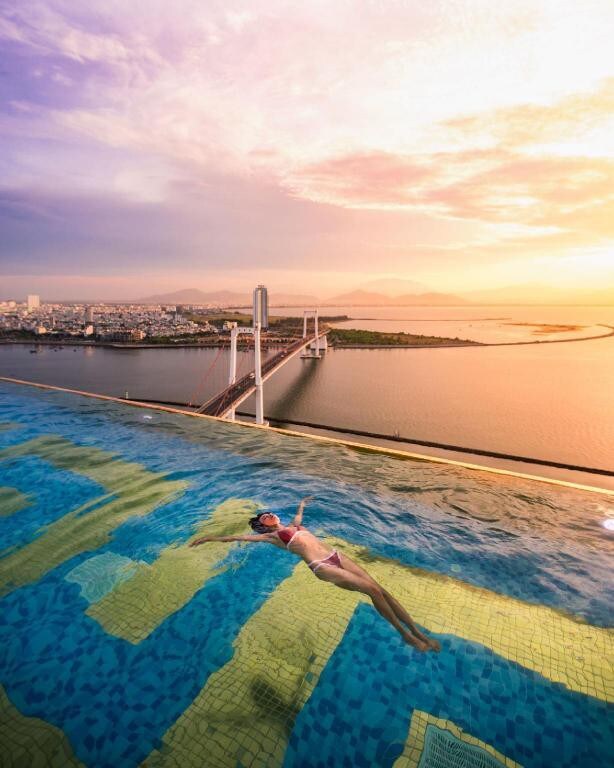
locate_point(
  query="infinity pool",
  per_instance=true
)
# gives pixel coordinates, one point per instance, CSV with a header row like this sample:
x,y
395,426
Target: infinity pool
x,y
121,646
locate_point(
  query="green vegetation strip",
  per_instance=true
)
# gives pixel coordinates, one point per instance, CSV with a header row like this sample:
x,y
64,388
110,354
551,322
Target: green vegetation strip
x,y
138,605
132,491
245,713
341,336
27,742
11,501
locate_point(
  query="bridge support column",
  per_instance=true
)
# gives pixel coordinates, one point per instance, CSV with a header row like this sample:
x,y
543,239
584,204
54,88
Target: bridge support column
x,y
258,376
315,345
232,374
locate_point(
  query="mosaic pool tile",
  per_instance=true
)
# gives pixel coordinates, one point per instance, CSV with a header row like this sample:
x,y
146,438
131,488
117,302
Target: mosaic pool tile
x,y
431,744
359,714
135,490
52,493
28,742
135,607
98,575
245,713
559,647
12,501
256,662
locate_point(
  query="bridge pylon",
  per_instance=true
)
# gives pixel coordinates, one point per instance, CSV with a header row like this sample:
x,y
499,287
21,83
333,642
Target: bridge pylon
x,y
318,344
224,403
232,375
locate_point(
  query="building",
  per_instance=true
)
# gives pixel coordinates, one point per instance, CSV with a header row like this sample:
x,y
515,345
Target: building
x,y
125,335
261,307
88,330
89,315
34,301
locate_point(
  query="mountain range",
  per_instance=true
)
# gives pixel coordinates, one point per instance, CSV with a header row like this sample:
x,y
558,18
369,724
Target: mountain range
x,y
396,293
225,298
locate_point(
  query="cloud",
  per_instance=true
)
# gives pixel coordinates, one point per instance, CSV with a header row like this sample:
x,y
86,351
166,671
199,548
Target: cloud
x,y
364,179
526,125
304,133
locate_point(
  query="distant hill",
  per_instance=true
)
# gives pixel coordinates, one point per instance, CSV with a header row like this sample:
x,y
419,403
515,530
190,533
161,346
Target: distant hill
x,y
371,299
392,287
225,298
527,293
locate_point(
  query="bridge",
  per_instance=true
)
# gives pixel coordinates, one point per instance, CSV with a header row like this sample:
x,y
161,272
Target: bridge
x,y
223,404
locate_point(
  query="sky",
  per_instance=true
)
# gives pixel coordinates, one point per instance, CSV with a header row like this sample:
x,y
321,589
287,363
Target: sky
x,y
149,146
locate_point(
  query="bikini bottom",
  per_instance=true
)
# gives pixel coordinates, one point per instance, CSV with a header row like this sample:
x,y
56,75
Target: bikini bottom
x,y
332,559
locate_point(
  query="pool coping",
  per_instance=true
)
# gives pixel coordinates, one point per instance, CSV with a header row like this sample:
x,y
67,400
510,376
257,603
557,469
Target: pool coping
x,y
318,438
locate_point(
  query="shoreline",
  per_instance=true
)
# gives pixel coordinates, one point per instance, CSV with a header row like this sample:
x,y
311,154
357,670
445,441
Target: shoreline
x,y
475,343
122,345
221,345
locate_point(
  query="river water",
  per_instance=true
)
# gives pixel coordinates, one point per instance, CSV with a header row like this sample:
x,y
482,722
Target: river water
x,y
547,401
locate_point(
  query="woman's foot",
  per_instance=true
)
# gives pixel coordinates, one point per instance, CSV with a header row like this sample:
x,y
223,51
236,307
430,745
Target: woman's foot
x,y
434,645
418,644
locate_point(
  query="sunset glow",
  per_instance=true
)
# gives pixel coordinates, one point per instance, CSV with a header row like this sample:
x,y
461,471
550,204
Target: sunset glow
x,y
461,143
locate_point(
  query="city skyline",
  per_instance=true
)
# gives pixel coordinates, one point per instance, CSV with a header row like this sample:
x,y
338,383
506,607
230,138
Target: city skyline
x,y
458,144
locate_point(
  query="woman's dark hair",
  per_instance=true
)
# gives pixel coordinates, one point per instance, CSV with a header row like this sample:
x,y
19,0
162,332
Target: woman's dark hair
x,y
257,526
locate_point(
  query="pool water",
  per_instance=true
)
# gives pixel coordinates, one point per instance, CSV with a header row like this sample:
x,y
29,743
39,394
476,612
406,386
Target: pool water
x,y
122,646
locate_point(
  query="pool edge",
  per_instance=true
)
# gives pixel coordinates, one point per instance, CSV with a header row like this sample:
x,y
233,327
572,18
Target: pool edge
x,y
319,438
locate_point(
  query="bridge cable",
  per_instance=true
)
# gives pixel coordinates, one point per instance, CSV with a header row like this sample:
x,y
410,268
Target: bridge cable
x,y
209,370
238,377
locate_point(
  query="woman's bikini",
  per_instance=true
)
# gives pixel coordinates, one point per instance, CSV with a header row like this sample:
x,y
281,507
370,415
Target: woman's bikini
x,y
287,536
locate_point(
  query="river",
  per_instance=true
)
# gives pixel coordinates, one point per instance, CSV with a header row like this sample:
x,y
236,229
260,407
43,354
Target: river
x,y
547,401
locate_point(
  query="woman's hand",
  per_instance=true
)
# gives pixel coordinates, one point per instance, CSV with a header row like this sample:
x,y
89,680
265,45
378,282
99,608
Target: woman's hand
x,y
202,540
306,500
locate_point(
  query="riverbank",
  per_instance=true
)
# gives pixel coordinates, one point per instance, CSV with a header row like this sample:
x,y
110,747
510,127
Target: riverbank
x,y
428,342
353,338
120,345
337,338
451,342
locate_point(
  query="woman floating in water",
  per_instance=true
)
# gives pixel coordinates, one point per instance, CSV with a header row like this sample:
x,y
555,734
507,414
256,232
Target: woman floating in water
x,y
333,566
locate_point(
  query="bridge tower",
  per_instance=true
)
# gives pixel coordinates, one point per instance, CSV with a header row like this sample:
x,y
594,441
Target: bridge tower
x,y
319,344
232,376
219,403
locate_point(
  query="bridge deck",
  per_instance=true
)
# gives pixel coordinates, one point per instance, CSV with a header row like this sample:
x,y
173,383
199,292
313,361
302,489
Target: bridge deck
x,y
229,398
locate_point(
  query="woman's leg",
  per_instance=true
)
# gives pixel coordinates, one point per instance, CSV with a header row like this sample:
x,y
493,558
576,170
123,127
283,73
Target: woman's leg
x,y
351,581
402,614
397,608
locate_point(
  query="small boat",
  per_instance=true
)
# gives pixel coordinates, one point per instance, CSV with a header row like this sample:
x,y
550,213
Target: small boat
x,y
34,351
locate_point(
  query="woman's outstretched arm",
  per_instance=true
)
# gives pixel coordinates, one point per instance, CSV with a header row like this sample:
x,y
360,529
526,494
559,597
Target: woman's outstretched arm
x,y
298,518
248,537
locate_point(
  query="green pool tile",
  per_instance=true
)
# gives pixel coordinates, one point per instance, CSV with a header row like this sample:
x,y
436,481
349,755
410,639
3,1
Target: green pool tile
x,y
132,491
136,606
29,742
12,501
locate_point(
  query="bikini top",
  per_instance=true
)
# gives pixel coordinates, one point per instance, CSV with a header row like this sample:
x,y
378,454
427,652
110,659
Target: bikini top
x,y
288,536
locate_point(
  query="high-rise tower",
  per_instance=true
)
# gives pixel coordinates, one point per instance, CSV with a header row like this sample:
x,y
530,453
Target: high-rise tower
x,y
261,307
